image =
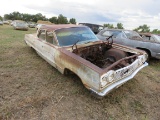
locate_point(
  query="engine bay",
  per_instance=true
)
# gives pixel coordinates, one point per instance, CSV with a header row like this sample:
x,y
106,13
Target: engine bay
x,y
104,55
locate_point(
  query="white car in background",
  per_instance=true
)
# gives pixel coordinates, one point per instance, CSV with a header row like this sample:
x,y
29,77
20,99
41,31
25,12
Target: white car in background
x,y
1,23
39,25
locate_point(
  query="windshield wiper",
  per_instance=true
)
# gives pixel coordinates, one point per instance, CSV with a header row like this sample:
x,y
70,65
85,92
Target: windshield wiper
x,y
107,39
75,44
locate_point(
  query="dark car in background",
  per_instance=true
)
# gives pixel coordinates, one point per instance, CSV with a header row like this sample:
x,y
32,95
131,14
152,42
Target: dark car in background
x,y
94,27
132,39
17,25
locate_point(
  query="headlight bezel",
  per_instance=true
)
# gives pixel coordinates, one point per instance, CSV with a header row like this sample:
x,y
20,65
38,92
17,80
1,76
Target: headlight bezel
x,y
107,78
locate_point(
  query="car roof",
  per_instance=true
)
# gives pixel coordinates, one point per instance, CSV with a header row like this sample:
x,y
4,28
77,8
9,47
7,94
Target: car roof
x,y
59,26
118,29
146,34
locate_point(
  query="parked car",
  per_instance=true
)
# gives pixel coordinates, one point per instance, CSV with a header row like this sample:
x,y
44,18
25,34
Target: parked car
x,y
132,39
17,25
6,22
31,25
39,25
1,23
94,27
150,37
12,23
101,65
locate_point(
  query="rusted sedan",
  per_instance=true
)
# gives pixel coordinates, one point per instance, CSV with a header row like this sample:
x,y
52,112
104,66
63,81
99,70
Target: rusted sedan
x,y
101,65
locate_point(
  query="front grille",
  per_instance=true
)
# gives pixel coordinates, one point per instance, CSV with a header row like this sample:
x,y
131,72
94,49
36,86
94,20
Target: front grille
x,y
126,71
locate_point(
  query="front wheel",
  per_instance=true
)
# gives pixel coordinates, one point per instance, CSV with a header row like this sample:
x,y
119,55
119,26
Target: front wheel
x,y
149,55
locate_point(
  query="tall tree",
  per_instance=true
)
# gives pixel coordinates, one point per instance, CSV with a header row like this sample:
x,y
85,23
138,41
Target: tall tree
x,y
108,25
120,26
39,16
8,17
53,20
156,31
1,18
143,28
72,21
62,19
27,17
34,18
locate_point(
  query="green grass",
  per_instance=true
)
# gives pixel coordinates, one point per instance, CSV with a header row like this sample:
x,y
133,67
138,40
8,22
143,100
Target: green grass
x,y
32,89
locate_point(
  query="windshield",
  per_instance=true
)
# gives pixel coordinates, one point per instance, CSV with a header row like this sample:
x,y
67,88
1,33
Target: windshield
x,y
115,33
132,34
157,38
69,36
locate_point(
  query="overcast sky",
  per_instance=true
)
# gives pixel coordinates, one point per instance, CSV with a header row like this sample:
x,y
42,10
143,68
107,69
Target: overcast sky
x,y
131,13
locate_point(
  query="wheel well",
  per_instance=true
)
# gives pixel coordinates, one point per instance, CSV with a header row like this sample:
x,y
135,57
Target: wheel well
x,y
67,71
146,50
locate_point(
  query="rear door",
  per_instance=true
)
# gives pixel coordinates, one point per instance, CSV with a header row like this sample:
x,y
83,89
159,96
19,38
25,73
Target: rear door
x,y
45,45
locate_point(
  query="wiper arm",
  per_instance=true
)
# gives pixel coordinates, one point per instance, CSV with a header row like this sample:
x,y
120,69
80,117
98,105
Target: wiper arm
x,y
75,44
107,39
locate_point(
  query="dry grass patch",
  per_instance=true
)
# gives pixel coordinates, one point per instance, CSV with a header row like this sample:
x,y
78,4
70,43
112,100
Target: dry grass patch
x,y
32,89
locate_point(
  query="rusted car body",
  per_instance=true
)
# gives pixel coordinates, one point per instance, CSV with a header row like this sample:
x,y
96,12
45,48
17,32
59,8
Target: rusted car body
x,y
101,65
132,39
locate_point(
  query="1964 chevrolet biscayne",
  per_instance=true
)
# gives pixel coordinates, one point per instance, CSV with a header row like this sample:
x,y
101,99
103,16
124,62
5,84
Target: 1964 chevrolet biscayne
x,y
101,65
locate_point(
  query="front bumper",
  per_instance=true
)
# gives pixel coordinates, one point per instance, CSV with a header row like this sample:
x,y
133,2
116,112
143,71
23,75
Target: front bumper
x,y
118,83
21,28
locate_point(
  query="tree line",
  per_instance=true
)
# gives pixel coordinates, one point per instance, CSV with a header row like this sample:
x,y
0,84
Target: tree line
x,y
63,20
34,18
142,28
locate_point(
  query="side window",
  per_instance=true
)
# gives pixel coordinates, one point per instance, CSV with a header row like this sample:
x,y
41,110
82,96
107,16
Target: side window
x,y
50,37
41,34
122,35
152,39
116,34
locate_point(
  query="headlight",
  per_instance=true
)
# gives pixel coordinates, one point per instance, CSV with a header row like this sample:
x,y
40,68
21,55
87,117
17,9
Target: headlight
x,y
107,78
110,76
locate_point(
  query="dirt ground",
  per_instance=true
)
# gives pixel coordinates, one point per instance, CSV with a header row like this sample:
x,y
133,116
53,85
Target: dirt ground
x,y
31,89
